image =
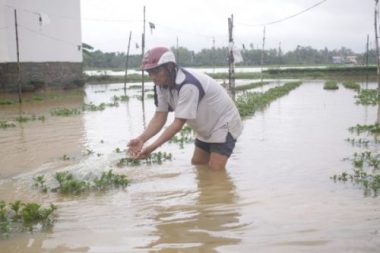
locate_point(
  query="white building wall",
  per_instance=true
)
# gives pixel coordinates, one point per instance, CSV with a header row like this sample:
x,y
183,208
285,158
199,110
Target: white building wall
x,y
55,38
3,34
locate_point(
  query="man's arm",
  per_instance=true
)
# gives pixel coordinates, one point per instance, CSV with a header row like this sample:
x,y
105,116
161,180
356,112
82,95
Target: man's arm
x,y
169,132
155,125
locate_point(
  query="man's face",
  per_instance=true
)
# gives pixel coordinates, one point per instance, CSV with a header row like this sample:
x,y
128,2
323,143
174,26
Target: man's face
x,y
159,76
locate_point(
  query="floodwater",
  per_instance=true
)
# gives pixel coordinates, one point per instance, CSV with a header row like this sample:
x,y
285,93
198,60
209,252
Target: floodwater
x,y
206,70
275,196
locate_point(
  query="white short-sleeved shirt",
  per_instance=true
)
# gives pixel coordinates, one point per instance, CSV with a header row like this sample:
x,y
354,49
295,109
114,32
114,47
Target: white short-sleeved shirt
x,y
212,117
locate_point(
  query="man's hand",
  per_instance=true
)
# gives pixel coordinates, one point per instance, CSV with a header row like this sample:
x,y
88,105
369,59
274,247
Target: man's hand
x,y
144,153
135,146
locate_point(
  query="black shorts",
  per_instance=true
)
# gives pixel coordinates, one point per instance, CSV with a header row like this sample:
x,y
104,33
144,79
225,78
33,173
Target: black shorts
x,y
224,148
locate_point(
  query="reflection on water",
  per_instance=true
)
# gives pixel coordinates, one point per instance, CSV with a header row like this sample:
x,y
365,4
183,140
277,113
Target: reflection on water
x,y
276,195
205,225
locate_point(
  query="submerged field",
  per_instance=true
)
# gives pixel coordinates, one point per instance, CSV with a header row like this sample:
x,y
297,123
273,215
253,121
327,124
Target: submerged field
x,y
278,193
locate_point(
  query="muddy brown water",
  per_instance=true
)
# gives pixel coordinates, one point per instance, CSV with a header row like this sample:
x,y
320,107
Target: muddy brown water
x,y
275,196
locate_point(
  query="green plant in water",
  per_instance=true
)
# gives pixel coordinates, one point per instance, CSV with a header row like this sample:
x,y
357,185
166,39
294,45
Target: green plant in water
x,y
7,102
186,135
366,169
351,85
6,124
359,129
153,158
331,85
65,157
18,216
109,179
64,111
69,184
367,97
39,182
249,102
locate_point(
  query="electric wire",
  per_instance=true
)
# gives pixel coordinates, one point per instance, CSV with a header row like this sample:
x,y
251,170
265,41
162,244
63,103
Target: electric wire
x,y
288,17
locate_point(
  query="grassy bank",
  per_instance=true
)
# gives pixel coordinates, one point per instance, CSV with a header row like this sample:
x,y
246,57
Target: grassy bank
x,y
340,73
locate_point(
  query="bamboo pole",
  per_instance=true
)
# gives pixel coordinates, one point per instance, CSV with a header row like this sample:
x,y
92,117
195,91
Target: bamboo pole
x,y
126,62
142,55
262,55
377,60
231,61
18,60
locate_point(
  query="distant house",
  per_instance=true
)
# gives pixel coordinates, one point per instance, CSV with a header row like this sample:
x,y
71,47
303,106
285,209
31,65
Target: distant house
x,y
49,35
351,59
337,59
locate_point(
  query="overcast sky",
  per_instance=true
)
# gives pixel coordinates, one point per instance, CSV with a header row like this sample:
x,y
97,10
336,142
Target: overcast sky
x,y
197,23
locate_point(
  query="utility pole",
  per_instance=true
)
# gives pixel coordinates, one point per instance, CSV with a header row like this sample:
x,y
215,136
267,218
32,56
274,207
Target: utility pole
x,y
126,62
213,53
262,55
18,60
377,59
177,56
231,65
366,60
142,54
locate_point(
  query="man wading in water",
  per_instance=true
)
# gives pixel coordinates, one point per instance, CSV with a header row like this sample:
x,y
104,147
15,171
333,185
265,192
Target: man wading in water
x,y
197,100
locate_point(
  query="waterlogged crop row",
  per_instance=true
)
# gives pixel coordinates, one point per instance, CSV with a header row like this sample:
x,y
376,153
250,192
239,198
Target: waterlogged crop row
x,y
250,102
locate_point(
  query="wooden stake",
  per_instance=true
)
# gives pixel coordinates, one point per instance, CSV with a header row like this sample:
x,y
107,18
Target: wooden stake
x,y
377,59
18,61
142,55
231,61
262,55
127,61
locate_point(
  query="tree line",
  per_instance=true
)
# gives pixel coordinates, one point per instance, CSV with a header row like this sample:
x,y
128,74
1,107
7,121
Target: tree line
x,y
217,57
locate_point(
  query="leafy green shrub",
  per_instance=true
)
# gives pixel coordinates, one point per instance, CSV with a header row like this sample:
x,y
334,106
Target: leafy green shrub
x,y
69,184
6,124
351,85
19,216
331,85
64,111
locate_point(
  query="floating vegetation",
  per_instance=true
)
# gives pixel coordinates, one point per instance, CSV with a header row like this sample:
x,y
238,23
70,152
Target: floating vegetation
x,y
65,157
331,85
361,142
149,95
366,172
25,118
92,107
21,119
69,184
367,97
7,102
371,129
6,124
90,151
186,135
108,180
365,165
250,86
39,182
118,150
250,102
123,98
128,161
19,216
64,111
153,158
351,85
